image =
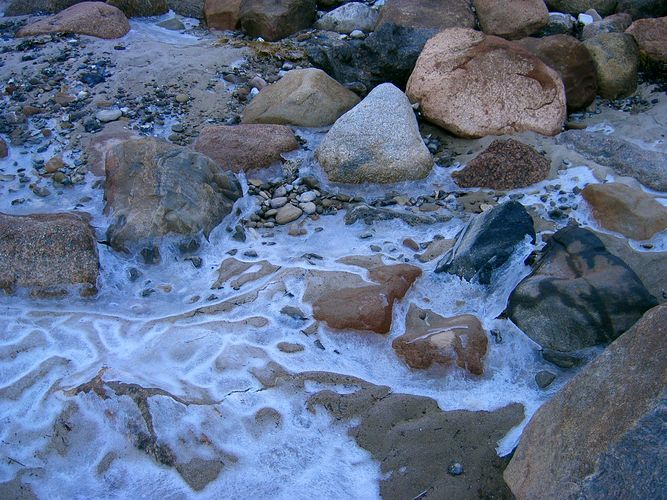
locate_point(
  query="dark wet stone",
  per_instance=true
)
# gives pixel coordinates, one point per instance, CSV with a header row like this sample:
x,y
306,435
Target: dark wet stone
x,y
544,379
373,214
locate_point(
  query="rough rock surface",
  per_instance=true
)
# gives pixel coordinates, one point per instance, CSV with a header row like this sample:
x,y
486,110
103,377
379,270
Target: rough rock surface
x,y
23,7
616,60
188,8
85,18
222,14
244,147
603,7
507,164
376,141
430,338
616,23
602,435
643,8
349,17
429,14
511,19
46,252
578,295
276,19
303,97
487,242
154,188
140,8
475,85
651,36
626,210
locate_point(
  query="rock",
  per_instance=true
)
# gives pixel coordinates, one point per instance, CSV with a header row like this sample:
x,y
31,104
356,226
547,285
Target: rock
x,y
154,188
303,97
559,24
602,435
4,149
172,24
626,210
141,8
245,147
24,7
616,60
643,8
487,242
309,208
386,55
622,156
109,115
369,215
544,379
376,141
48,252
54,164
651,37
288,213
506,164
578,295
430,338
571,59
511,19
616,23
603,7
345,301
276,19
429,14
349,17
435,249
475,85
187,8
290,348
86,18
223,14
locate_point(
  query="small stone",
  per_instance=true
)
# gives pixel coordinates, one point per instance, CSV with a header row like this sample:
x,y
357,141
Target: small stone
x,y
278,202
357,34
544,378
288,213
109,115
455,469
411,244
182,98
290,347
54,164
308,208
293,312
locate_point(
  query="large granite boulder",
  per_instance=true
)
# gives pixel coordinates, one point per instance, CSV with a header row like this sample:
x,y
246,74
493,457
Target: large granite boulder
x,y
276,19
487,242
603,434
511,19
616,61
643,8
223,14
48,253
86,18
475,85
603,7
376,141
616,23
651,37
302,97
140,8
154,188
349,17
578,295
429,14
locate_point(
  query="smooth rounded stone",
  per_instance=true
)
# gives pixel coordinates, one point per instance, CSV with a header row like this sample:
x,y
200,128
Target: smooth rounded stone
x,y
348,18
616,23
109,115
278,202
54,164
506,164
544,379
430,338
651,36
290,347
578,295
46,252
154,188
487,242
626,210
141,8
377,141
222,14
643,8
280,192
585,19
571,59
430,14
304,97
307,196
173,24
357,34
475,85
603,7
245,147
603,433
276,19
511,19
616,60
288,213
309,208
86,18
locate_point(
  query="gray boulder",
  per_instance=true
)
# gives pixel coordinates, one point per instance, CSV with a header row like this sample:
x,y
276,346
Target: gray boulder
x,y
616,60
349,17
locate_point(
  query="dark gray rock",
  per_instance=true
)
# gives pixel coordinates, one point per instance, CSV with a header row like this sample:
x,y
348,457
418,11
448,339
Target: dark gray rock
x,y
24,7
639,9
370,215
543,379
187,8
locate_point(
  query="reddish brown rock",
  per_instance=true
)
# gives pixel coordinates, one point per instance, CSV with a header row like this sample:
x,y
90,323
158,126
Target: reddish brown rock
x,y
244,147
511,19
651,36
276,19
85,18
430,338
222,14
506,164
429,14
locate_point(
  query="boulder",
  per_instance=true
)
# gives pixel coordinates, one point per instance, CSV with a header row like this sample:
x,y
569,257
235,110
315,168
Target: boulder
x,y
140,8
625,158
511,19
559,24
603,7
345,301
430,338
303,97
276,19
475,85
24,7
651,37
626,210
487,242
643,8
602,435
578,295
376,141
245,147
349,17
616,23
86,18
571,59
187,8
507,164
48,252
222,14
616,61
429,14
154,188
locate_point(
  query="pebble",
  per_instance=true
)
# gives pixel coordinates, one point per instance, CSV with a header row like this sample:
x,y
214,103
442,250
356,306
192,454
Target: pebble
x,y
290,347
307,196
278,202
108,115
455,469
288,213
182,98
357,34
544,379
308,208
